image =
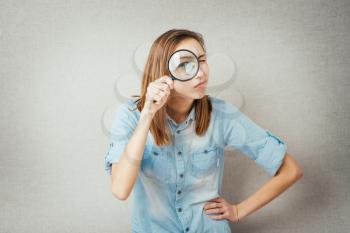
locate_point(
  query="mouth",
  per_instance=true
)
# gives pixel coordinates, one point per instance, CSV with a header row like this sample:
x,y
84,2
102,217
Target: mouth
x,y
202,84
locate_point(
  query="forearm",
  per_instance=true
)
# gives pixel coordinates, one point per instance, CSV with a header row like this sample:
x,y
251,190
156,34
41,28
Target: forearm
x,y
262,196
125,171
289,173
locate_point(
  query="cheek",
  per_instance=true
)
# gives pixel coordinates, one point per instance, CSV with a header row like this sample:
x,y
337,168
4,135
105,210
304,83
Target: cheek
x,y
205,69
184,88
180,87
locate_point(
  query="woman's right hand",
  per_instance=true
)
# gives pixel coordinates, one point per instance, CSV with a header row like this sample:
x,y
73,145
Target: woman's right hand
x,y
157,93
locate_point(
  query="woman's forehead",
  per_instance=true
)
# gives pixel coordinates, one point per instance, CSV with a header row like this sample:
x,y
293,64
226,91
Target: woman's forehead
x,y
190,44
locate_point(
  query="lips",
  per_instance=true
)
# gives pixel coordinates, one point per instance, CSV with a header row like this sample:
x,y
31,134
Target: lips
x,y
200,83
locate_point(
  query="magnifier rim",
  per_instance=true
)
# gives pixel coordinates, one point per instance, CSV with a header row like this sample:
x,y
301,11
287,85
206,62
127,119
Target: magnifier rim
x,y
186,51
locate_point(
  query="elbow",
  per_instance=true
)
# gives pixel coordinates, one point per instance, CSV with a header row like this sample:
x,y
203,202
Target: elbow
x,y
299,173
296,174
119,192
291,169
122,196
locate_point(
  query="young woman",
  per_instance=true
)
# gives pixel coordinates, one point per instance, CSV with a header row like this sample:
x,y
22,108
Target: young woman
x,y
168,146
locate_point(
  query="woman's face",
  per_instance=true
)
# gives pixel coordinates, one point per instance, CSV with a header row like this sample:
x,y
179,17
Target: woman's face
x,y
189,89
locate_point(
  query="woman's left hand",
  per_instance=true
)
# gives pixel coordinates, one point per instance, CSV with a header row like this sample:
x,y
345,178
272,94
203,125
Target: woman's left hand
x,y
221,208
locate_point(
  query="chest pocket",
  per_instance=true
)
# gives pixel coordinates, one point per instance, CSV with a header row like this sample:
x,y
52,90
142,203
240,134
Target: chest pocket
x,y
205,162
157,165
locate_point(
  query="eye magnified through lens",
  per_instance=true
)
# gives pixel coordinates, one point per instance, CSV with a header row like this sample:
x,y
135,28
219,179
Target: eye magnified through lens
x,y
183,65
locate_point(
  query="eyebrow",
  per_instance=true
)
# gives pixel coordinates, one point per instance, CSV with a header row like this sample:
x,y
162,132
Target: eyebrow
x,y
202,55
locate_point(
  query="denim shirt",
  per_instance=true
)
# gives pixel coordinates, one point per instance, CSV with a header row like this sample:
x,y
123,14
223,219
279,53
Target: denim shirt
x,y
176,180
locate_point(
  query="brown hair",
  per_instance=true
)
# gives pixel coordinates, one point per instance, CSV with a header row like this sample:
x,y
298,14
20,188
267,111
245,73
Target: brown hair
x,y
155,67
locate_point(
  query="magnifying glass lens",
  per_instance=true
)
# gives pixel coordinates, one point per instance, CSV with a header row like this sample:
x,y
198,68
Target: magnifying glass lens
x,y
183,65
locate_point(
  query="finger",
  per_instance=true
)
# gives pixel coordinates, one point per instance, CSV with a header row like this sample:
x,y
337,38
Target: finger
x,y
215,202
151,89
161,86
208,205
162,94
166,80
154,91
167,85
215,211
212,205
219,216
170,82
161,79
157,89
157,97
217,199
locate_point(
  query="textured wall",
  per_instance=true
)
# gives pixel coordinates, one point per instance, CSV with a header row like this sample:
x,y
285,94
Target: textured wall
x,y
63,64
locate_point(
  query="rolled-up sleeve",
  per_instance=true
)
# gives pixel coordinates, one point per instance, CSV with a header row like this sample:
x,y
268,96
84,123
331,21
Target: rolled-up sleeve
x,y
121,130
258,143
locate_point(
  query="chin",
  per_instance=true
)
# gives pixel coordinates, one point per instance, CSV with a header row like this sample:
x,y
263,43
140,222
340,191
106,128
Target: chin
x,y
200,95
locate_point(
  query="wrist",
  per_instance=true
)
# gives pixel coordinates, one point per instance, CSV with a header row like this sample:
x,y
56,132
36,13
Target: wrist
x,y
146,114
236,213
240,210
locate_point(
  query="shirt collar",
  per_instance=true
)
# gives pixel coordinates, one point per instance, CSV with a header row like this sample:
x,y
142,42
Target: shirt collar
x,y
190,117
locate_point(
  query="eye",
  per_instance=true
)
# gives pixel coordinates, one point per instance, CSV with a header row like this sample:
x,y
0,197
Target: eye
x,y
183,64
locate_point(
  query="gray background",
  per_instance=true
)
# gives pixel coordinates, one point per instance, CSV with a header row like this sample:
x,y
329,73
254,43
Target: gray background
x,y
60,62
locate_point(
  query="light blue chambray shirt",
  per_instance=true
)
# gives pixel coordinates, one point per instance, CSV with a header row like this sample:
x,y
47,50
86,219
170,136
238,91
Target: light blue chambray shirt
x,y
175,181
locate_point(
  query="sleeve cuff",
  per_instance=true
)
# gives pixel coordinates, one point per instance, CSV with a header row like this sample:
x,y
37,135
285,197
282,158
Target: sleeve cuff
x,y
113,155
272,155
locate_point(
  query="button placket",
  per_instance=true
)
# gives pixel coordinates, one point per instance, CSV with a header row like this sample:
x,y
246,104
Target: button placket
x,y
188,219
181,212
180,171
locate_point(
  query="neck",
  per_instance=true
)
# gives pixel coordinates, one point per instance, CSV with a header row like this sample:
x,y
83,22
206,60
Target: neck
x,y
178,108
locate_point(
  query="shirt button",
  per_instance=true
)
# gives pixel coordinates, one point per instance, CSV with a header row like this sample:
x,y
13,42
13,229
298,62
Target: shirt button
x,y
179,192
179,153
181,175
205,151
179,209
187,228
178,131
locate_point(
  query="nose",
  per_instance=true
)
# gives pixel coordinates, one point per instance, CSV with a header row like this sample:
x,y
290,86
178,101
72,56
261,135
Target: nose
x,y
200,72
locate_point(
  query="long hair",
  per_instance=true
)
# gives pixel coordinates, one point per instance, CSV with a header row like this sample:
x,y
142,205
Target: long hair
x,y
155,67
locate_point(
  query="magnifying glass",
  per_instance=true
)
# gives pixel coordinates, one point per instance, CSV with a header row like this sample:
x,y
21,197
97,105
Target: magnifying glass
x,y
183,65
